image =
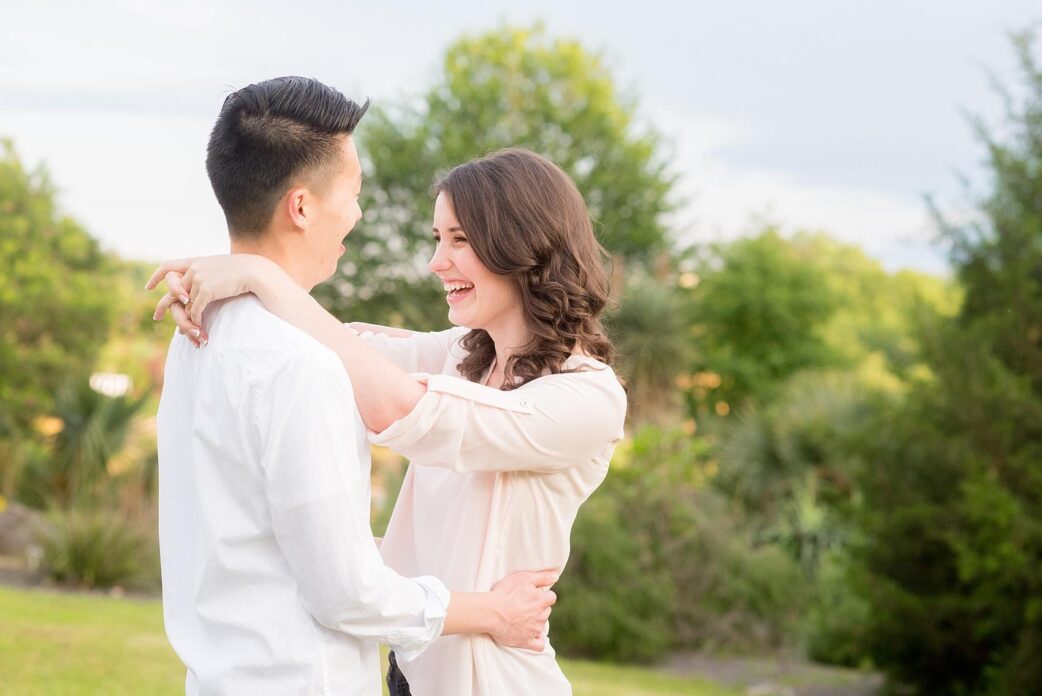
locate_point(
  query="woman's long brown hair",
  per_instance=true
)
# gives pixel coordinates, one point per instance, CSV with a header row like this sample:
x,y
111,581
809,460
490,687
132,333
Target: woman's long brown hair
x,y
526,220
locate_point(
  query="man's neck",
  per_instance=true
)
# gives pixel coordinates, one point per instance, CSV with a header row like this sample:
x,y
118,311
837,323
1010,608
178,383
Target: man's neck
x,y
268,247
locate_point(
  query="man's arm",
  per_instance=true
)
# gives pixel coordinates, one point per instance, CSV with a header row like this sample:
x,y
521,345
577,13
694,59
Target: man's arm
x,y
310,461
514,613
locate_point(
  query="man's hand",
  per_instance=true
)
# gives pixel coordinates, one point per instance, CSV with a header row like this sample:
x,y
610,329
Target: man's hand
x,y
523,602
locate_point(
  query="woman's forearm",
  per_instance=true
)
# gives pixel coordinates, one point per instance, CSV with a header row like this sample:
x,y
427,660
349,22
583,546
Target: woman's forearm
x,y
384,393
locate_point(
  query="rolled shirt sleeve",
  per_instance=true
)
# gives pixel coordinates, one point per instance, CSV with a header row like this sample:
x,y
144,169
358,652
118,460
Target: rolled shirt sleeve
x,y
318,493
544,426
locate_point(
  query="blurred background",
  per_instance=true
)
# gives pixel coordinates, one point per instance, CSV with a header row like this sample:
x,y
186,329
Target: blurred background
x,y
824,223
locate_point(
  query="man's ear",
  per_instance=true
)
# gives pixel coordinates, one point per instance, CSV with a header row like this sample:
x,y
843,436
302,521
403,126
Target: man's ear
x,y
297,206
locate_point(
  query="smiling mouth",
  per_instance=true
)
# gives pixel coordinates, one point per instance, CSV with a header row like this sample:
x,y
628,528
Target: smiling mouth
x,y
454,292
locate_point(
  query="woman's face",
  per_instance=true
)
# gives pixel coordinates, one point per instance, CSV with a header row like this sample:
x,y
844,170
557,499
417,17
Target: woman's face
x,y
477,297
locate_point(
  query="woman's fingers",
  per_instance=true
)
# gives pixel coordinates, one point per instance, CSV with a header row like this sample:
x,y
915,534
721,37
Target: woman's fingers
x,y
192,331
181,299
165,302
197,305
177,265
184,324
543,578
176,287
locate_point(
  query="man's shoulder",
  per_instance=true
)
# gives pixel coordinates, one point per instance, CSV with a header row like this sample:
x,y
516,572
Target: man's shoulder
x,y
246,333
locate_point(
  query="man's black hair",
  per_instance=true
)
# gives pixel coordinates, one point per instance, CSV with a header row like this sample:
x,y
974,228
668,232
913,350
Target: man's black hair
x,y
268,134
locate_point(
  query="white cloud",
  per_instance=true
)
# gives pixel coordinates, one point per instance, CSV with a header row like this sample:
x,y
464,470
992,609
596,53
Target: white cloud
x,y
725,201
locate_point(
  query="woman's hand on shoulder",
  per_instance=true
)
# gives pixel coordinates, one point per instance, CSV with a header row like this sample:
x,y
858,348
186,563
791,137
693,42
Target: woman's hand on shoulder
x,y
193,283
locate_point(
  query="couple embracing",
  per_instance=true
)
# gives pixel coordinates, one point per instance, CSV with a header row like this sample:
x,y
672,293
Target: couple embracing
x,y
272,580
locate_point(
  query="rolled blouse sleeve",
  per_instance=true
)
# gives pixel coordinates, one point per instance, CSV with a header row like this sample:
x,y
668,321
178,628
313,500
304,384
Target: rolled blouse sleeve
x,y
544,426
419,351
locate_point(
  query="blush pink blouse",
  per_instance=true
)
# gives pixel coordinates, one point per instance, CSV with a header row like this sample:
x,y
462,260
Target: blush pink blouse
x,y
495,481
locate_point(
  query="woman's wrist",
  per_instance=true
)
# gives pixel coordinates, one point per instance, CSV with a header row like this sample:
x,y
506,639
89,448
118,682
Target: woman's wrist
x,y
265,279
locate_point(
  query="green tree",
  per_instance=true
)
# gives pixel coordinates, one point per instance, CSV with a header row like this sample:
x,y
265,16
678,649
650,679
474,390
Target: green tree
x,y
55,308
953,513
508,87
760,310
768,307
810,341
877,313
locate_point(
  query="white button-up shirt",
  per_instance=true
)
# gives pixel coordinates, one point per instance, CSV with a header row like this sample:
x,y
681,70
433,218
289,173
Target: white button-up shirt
x,y
272,583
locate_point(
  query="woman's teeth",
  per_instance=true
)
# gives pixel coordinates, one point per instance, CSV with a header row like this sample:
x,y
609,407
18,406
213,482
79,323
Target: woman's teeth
x,y
456,289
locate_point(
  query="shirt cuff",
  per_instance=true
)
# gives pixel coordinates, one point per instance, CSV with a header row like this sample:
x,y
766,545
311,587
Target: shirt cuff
x,y
408,643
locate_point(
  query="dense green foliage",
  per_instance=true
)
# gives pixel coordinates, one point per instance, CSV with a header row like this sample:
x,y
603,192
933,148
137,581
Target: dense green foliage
x,y
61,299
953,498
657,562
508,87
94,430
761,309
55,305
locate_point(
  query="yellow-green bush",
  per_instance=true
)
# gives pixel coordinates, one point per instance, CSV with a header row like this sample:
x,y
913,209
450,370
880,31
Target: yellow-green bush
x,y
100,548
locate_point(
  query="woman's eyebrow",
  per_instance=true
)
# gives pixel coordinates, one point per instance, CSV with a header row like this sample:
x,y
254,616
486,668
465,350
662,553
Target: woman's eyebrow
x,y
451,229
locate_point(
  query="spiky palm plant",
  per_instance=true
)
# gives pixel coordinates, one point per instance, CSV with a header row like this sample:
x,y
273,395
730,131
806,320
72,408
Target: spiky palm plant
x,y
655,345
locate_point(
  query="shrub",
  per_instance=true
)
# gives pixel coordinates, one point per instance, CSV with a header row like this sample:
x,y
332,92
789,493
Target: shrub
x,y
659,562
616,601
100,548
837,621
736,596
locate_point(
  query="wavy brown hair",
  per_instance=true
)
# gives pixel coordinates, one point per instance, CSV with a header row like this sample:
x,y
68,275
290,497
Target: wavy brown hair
x,y
526,220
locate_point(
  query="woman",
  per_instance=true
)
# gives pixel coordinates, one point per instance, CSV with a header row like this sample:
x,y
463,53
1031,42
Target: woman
x,y
514,415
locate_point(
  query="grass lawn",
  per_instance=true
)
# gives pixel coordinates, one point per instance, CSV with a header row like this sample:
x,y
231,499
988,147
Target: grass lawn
x,y
75,645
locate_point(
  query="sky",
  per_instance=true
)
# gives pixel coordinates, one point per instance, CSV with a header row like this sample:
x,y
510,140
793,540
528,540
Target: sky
x,y
812,114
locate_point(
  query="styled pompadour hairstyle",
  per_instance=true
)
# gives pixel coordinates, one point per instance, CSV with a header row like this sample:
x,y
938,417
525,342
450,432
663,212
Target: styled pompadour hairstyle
x,y
269,134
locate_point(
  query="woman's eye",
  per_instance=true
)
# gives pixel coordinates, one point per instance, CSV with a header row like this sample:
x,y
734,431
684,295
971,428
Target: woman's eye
x,y
459,240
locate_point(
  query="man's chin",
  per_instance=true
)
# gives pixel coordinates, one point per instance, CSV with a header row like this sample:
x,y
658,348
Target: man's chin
x,y
318,280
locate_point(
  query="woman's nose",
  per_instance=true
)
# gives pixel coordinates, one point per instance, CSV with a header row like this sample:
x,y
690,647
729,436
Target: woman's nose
x,y
439,261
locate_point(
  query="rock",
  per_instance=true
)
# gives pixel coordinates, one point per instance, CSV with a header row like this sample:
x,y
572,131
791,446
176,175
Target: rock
x,y
20,529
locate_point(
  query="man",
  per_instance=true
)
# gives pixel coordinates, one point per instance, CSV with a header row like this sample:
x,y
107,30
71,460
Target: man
x,y
272,583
